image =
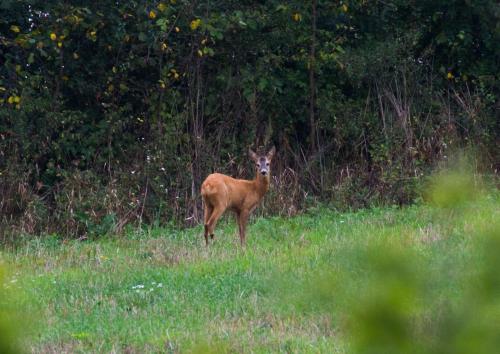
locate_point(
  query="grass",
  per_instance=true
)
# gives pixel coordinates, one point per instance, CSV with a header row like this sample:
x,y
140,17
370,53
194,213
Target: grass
x,y
161,290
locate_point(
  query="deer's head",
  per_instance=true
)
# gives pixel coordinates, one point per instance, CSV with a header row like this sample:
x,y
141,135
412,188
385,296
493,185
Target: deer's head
x,y
263,162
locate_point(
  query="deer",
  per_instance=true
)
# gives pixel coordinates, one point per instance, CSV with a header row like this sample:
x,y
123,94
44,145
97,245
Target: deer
x,y
221,192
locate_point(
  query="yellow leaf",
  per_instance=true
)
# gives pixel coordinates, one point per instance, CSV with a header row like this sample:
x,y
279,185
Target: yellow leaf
x,y
59,44
152,14
14,28
17,99
53,36
162,7
297,17
75,56
18,68
10,99
39,45
65,78
114,69
164,46
345,8
449,76
177,29
173,2
195,24
200,53
93,33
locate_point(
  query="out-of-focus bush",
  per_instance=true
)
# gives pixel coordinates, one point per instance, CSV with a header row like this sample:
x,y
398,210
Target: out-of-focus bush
x,y
393,298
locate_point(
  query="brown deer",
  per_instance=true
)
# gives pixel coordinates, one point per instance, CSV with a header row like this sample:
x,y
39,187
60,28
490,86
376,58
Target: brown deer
x,y
221,192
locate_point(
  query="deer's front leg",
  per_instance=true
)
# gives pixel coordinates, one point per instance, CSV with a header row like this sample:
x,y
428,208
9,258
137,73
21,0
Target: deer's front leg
x,y
242,223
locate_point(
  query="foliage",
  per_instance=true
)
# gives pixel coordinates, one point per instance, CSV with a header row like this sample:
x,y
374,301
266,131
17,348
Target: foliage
x,y
149,97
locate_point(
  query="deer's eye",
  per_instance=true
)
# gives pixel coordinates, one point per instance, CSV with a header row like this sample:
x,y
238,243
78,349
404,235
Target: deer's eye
x,y
258,165
267,163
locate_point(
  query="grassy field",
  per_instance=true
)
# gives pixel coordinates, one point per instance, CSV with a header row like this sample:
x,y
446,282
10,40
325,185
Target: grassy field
x,y
296,288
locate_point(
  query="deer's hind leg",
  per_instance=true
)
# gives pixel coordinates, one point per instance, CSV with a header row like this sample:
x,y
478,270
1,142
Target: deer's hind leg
x,y
208,210
217,211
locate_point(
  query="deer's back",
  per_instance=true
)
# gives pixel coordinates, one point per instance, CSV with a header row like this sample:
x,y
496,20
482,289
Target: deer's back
x,y
221,187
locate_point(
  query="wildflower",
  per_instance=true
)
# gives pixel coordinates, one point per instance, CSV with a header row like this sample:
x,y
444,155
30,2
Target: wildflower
x,y
297,17
152,14
162,7
15,28
59,44
53,36
449,76
195,24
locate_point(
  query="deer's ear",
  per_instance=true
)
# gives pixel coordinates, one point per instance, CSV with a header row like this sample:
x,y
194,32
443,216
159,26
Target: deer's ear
x,y
252,155
271,153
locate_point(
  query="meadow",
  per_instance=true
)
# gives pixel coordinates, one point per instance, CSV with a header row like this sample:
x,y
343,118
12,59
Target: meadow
x,y
389,279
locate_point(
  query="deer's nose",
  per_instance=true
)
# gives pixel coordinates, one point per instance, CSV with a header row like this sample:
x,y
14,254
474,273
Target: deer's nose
x,y
263,172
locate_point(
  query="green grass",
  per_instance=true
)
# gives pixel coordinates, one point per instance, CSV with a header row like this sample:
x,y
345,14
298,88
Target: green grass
x,y
162,290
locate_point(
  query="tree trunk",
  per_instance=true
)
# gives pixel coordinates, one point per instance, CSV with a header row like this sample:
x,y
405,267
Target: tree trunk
x,y
312,82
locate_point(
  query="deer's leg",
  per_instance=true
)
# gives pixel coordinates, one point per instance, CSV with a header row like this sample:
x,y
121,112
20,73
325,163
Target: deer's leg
x,y
242,223
218,210
207,213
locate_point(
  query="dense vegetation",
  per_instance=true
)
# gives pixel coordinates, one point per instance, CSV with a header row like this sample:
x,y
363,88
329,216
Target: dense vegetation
x,y
112,112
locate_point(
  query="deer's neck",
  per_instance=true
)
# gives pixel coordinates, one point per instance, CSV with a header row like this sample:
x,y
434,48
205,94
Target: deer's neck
x,y
261,184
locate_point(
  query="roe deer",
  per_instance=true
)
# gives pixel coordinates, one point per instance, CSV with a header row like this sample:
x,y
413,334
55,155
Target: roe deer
x,y
221,192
